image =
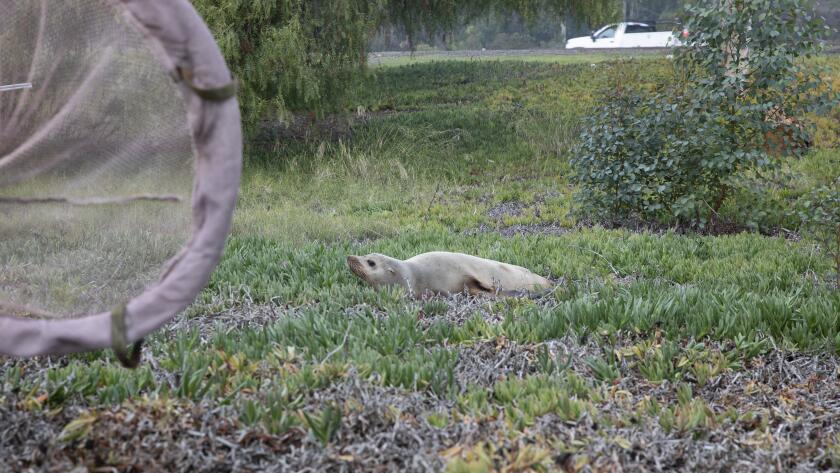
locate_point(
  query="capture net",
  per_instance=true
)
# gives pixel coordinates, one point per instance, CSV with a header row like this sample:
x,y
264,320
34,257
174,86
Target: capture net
x,y
103,134
96,168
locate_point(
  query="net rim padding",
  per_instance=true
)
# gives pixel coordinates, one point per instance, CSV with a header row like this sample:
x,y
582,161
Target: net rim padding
x,y
181,42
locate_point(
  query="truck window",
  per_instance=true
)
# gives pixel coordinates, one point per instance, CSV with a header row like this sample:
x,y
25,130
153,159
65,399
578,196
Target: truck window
x,y
640,29
609,32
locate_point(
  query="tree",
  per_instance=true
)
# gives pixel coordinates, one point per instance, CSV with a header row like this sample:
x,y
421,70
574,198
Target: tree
x,y
291,54
301,55
648,10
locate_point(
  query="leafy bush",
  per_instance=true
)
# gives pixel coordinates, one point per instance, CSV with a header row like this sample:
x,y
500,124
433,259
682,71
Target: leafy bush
x,y
820,214
657,156
676,152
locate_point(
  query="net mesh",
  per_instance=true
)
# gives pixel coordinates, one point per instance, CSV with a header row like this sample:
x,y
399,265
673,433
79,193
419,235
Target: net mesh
x,y
96,160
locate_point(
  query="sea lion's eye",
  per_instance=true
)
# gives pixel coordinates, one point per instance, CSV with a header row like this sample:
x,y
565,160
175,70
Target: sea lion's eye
x,y
371,263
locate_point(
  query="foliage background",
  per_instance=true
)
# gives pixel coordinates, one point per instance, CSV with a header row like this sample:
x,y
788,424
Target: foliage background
x,y
688,351
302,56
731,108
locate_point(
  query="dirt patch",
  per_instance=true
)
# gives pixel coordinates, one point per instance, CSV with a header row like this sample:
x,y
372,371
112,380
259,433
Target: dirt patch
x,y
456,309
305,127
242,317
383,429
510,231
498,212
506,209
485,363
556,229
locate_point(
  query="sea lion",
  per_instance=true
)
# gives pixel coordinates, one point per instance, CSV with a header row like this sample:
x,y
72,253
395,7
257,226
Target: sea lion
x,y
441,272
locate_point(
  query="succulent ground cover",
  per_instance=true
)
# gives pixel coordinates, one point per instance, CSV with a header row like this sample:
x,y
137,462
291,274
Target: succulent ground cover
x,y
659,350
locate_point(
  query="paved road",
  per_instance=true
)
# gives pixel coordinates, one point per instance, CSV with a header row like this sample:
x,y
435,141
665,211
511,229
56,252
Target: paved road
x,y
378,57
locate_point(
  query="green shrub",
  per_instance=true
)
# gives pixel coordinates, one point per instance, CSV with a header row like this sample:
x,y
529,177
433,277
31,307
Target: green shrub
x,y
820,214
646,156
674,154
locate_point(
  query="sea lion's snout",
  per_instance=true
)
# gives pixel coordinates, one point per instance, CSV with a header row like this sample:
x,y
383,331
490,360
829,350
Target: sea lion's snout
x,y
355,265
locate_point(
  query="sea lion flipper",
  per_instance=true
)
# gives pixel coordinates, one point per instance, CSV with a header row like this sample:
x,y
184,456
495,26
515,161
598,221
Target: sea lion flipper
x,y
476,286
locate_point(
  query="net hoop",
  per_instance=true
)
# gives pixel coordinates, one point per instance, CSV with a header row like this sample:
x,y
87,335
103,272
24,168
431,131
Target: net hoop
x,y
186,49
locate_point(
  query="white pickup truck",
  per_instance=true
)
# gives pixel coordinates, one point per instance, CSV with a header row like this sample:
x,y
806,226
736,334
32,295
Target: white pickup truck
x,y
627,35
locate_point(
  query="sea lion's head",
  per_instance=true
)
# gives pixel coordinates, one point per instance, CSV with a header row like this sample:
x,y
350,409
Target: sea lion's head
x,y
376,269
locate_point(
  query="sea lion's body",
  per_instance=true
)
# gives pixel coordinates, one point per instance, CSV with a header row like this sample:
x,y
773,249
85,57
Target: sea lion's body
x,y
441,272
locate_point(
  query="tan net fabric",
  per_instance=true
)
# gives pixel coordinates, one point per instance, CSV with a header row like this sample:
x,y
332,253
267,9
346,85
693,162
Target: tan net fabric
x,y
120,157
96,160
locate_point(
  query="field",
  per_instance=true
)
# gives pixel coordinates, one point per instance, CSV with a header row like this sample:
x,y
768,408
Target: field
x,y
659,350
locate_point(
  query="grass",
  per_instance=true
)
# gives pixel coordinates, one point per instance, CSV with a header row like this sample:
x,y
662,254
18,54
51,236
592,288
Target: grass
x,y
650,339
62,260
381,60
